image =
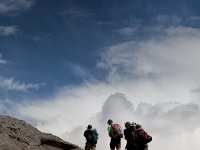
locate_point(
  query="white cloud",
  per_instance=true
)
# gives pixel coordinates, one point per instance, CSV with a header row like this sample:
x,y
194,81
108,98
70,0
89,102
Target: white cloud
x,y
175,54
81,72
8,30
169,19
11,84
2,61
127,31
194,20
66,118
11,7
165,65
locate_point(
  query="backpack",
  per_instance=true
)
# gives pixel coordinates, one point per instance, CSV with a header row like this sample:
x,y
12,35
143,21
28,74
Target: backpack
x,y
116,131
91,136
139,136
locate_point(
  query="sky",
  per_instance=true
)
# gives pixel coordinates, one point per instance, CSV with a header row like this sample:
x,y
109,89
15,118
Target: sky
x,y
69,63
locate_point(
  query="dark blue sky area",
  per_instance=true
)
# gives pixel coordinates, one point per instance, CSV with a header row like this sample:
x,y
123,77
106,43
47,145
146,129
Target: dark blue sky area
x,y
52,36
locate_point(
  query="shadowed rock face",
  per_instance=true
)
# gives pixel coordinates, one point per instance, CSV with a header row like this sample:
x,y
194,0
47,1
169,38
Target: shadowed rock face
x,y
18,135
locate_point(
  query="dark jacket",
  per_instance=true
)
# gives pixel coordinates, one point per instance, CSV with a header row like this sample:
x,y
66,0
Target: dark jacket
x,y
91,136
128,137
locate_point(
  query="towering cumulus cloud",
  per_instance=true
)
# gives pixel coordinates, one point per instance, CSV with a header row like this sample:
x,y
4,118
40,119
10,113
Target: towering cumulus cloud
x,y
169,123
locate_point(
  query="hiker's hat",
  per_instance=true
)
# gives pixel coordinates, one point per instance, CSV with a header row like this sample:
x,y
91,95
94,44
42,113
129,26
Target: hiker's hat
x,y
89,126
133,124
110,121
138,126
127,124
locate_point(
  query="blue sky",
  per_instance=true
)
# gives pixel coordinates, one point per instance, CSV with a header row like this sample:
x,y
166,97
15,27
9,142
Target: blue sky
x,y
47,38
141,57
42,41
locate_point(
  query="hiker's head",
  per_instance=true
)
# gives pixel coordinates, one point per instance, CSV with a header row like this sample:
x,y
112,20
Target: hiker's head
x,y
138,126
133,124
127,124
89,126
110,121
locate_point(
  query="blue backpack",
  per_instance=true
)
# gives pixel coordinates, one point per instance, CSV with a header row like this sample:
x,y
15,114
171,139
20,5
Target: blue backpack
x,y
91,135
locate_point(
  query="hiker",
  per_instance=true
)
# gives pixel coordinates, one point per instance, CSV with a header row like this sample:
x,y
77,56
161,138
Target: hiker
x,y
115,133
128,131
91,136
141,138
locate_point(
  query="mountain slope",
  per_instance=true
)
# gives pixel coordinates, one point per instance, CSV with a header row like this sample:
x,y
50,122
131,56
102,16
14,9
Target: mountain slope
x,y
16,134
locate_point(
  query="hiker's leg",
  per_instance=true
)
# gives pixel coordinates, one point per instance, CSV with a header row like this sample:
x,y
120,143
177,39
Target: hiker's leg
x,y
118,144
118,147
93,147
112,145
146,147
112,148
87,146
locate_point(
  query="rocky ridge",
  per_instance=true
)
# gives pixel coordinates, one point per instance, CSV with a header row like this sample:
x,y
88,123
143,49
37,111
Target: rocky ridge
x,y
16,134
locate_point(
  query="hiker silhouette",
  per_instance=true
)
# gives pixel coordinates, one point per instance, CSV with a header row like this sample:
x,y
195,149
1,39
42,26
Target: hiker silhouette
x,y
128,131
115,133
91,136
139,137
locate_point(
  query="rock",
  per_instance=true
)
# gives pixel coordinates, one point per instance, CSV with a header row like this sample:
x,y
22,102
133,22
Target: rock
x,y
16,134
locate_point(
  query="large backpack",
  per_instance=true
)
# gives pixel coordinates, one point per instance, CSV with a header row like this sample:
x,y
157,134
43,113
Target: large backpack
x,y
91,136
139,136
116,131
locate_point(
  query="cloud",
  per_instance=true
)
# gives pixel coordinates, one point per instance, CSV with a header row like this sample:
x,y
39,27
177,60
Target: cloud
x,y
2,61
167,121
173,54
127,31
76,13
8,30
168,63
81,72
11,7
195,90
11,84
151,82
192,21
169,20
175,121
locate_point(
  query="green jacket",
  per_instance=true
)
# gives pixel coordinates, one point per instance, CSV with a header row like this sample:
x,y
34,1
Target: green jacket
x,y
110,130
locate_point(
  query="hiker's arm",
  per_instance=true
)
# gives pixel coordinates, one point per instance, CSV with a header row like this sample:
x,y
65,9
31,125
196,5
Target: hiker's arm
x,y
125,134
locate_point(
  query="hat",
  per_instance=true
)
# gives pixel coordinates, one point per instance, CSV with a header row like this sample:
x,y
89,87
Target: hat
x,y
133,124
127,123
110,121
138,126
89,126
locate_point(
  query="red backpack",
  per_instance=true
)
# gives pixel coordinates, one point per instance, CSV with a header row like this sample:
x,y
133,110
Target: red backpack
x,y
116,131
139,136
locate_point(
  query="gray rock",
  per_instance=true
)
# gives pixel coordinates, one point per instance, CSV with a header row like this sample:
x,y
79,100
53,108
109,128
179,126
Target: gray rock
x,y
16,134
